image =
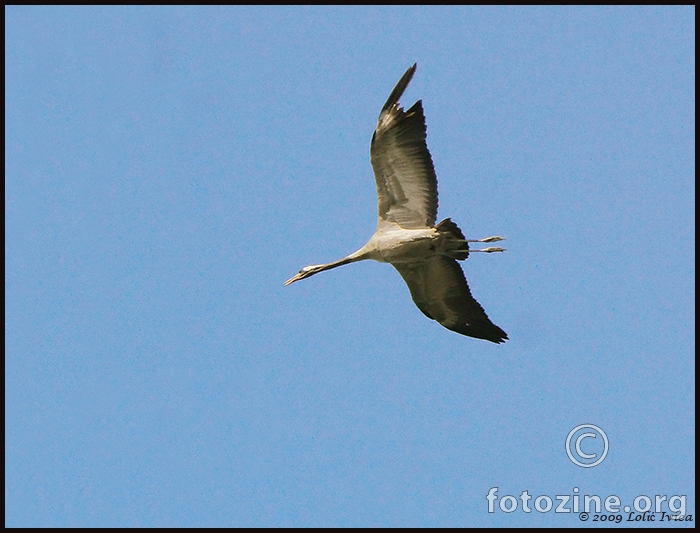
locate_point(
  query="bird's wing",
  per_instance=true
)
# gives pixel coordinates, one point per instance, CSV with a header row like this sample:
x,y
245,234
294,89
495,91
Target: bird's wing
x,y
403,168
439,289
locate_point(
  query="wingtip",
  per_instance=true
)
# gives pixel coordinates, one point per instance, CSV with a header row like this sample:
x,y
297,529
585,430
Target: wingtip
x,y
485,331
502,340
502,334
400,87
496,337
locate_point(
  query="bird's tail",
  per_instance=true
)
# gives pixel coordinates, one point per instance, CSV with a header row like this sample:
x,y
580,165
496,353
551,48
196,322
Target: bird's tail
x,y
459,247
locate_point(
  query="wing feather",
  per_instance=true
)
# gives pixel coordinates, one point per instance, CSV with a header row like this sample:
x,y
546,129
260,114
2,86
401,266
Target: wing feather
x,y
440,290
403,169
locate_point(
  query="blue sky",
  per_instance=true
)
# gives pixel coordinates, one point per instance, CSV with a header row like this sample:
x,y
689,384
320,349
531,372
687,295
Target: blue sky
x,y
167,169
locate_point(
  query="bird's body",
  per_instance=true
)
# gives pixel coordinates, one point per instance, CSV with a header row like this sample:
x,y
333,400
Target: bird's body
x,y
397,245
425,254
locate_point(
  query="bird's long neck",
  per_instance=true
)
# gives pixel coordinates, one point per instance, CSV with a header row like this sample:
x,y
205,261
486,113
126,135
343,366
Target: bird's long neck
x,y
352,258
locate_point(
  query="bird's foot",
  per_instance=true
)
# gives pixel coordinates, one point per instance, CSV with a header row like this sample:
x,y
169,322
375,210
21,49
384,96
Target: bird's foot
x,y
489,250
488,239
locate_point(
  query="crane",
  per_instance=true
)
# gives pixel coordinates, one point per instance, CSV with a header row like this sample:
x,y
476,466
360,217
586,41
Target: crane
x,y
425,254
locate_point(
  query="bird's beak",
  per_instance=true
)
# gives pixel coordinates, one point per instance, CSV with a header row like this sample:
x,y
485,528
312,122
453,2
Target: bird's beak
x,y
293,279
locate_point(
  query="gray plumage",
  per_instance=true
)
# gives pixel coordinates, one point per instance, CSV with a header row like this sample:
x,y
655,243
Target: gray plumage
x,y
425,254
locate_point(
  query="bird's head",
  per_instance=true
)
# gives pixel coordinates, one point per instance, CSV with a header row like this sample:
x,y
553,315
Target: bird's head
x,y
304,273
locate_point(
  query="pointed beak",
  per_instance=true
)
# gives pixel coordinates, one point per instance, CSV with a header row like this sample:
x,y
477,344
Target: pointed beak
x,y
293,279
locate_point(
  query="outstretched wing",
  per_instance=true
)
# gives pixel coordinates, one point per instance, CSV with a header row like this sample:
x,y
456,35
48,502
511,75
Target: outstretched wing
x,y
439,289
403,168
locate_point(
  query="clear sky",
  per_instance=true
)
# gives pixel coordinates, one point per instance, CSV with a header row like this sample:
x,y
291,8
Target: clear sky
x,y
167,169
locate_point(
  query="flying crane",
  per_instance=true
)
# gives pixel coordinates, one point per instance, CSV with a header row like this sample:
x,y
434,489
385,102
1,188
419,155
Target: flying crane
x,y
425,254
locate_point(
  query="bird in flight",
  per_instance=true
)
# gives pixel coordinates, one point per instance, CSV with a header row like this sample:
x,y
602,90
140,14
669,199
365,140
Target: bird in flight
x,y
425,254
